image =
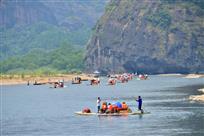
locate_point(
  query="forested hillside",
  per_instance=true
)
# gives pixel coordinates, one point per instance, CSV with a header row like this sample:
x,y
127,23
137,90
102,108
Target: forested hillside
x,y
41,27
64,59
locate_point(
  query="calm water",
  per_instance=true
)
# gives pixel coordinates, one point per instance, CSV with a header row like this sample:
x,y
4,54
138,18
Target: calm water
x,y
41,110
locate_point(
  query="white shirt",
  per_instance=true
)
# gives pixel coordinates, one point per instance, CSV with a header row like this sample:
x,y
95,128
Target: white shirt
x,y
98,102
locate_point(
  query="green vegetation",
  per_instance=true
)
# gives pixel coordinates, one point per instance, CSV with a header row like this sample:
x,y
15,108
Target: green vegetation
x,y
199,3
20,41
46,38
42,49
161,19
64,59
110,7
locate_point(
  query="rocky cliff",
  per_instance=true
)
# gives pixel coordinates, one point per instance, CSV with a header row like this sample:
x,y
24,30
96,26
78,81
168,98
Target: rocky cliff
x,y
163,36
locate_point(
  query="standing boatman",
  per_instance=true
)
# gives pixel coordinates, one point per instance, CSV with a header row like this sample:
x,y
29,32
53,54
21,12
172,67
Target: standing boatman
x,y
139,100
98,104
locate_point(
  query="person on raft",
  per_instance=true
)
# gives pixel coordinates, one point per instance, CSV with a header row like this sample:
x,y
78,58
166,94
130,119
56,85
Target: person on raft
x,y
98,104
86,110
139,100
104,107
110,108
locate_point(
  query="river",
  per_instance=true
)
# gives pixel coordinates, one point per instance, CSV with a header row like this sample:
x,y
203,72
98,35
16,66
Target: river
x,y
41,110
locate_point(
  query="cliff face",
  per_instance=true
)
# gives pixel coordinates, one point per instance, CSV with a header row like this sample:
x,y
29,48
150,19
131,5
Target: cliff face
x,y
165,36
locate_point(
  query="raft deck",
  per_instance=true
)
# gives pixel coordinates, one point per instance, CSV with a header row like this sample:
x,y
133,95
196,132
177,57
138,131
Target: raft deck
x,y
112,114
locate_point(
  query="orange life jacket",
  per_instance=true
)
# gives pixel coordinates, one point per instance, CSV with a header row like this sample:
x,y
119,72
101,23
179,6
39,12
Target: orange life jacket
x,y
110,107
115,107
104,107
124,106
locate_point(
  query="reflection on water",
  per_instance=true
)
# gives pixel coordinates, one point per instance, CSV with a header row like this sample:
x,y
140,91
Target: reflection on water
x,y
41,110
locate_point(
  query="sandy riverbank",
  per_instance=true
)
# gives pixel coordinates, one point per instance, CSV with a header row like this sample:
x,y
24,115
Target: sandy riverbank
x,y
194,76
198,97
40,79
175,74
184,75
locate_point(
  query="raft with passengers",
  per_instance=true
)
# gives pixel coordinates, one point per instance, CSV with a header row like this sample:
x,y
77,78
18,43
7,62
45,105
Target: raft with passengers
x,y
116,109
95,81
76,80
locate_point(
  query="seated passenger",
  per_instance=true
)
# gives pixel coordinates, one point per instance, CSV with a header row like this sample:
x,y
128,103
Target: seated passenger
x,y
124,106
104,107
115,108
86,110
110,108
119,105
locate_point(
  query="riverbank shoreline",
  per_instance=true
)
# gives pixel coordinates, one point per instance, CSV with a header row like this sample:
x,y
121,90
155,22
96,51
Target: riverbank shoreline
x,y
16,80
194,92
184,75
19,79
198,97
194,76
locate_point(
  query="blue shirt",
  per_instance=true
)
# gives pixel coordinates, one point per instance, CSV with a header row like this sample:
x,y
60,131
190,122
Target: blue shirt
x,y
139,101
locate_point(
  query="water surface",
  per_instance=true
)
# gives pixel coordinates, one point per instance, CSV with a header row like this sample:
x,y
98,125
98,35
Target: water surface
x,y
41,110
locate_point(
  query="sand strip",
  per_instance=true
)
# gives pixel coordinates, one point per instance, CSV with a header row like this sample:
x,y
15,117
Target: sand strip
x,y
194,76
41,79
198,97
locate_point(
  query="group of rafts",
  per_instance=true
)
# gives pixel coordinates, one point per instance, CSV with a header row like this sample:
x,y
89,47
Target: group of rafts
x,y
113,79
116,109
123,78
120,78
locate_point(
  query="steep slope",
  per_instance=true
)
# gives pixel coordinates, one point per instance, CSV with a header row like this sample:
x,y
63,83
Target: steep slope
x,y
165,36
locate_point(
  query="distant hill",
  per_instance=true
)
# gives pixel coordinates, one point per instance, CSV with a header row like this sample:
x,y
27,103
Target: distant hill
x,y
150,36
45,25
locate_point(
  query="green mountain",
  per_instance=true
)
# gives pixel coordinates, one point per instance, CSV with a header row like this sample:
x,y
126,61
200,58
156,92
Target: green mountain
x,y
42,27
150,36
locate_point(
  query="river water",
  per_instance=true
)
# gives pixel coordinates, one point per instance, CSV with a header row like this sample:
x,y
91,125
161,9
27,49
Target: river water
x,y
41,110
